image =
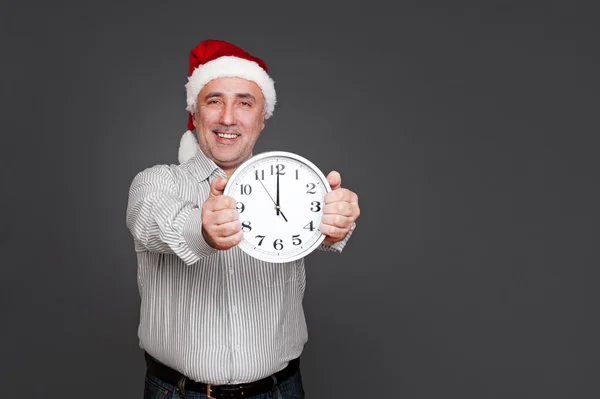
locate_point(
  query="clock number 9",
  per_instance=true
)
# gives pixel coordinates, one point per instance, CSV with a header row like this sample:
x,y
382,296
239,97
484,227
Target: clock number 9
x,y
240,207
278,244
246,225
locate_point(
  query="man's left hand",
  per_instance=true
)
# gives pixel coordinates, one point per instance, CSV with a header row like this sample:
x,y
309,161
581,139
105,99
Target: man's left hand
x,y
340,212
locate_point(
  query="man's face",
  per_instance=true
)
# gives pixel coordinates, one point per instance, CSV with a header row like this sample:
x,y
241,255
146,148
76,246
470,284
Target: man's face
x,y
229,120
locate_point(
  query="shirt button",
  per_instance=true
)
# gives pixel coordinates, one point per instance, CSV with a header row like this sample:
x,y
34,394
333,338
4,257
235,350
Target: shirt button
x,y
230,271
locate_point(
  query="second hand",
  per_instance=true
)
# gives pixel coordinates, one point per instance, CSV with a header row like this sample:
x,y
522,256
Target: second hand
x,y
261,183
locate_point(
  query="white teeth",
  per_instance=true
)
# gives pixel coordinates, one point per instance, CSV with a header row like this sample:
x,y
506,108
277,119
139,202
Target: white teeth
x,y
227,136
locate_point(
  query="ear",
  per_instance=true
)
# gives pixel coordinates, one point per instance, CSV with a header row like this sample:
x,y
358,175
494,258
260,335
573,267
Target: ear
x,y
263,121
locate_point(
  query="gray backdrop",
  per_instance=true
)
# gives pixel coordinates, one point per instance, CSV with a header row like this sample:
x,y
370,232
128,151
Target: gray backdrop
x,y
469,132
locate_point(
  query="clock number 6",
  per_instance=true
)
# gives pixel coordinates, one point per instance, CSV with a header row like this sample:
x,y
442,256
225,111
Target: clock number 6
x,y
277,244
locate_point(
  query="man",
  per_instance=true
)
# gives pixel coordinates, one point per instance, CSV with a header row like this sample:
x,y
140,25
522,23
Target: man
x,y
215,322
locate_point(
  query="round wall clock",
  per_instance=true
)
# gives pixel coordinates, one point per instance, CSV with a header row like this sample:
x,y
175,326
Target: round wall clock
x,y
280,200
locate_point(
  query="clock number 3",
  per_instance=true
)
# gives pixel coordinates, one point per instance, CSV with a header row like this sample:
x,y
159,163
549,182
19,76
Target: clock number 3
x,y
315,206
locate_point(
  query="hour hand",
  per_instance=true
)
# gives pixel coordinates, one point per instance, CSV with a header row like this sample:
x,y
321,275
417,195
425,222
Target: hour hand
x,y
277,206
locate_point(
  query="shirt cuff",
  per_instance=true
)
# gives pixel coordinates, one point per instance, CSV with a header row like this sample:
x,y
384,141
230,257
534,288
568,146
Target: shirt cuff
x,y
192,234
338,246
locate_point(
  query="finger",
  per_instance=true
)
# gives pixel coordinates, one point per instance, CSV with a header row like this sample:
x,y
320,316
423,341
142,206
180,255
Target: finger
x,y
234,239
227,229
224,243
341,221
215,204
334,179
342,194
355,210
338,208
225,216
217,186
332,231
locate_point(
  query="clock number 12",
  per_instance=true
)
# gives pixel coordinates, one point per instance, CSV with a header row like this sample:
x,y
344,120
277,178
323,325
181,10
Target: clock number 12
x,y
279,171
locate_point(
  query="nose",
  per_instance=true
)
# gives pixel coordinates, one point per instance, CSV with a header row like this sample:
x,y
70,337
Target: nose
x,y
227,116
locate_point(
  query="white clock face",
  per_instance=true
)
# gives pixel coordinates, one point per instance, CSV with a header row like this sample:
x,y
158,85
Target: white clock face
x,y
286,232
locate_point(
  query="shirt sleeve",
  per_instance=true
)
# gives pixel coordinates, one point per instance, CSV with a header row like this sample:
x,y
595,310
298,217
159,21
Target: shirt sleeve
x,y
338,246
161,221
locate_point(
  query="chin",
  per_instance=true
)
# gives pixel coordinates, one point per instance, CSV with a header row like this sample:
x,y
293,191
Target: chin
x,y
228,154
226,159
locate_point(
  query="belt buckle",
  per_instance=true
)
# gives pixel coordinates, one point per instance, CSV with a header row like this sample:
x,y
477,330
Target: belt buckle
x,y
208,391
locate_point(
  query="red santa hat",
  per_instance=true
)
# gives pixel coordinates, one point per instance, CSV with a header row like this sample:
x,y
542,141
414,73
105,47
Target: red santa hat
x,y
212,59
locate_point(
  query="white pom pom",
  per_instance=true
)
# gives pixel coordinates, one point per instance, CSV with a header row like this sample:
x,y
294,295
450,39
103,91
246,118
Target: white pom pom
x,y
188,146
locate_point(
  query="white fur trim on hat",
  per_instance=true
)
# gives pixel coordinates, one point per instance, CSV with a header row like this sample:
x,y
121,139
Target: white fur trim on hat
x,y
188,146
229,66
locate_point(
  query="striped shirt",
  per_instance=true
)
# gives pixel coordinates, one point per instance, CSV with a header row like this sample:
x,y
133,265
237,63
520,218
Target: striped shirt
x,y
219,317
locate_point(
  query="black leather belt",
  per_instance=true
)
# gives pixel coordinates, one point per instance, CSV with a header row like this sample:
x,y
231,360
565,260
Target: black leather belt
x,y
173,377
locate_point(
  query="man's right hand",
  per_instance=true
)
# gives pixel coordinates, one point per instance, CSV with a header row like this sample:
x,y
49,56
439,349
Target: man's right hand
x,y
221,227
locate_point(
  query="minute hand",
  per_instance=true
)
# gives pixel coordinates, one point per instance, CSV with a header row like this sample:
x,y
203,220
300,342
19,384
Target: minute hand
x,y
277,203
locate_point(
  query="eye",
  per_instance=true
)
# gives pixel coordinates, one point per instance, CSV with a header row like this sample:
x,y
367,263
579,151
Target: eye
x,y
245,103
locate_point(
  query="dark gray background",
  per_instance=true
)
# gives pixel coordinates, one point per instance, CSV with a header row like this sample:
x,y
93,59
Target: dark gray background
x,y
469,132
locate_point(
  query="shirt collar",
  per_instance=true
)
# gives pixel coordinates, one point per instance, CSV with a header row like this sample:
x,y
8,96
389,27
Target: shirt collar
x,y
203,167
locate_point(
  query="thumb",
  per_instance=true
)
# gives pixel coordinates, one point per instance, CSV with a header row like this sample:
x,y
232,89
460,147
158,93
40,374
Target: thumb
x,y
334,179
217,186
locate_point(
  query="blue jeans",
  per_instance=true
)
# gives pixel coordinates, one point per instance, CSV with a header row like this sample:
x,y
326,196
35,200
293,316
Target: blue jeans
x,y
287,389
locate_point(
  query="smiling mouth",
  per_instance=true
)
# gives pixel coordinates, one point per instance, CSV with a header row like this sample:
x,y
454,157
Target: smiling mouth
x,y
228,136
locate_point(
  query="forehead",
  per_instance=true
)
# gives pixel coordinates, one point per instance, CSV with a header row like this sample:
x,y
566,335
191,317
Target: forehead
x,y
232,86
